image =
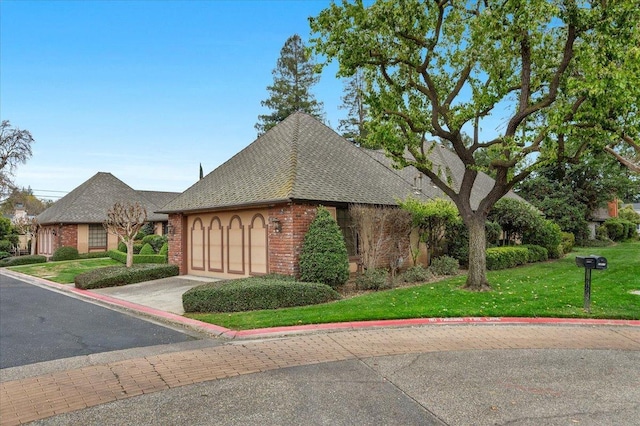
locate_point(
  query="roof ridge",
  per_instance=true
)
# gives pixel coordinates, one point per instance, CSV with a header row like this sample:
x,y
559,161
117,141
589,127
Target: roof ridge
x,y
295,137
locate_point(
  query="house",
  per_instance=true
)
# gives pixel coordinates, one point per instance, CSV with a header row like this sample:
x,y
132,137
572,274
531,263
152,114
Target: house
x,y
76,219
249,216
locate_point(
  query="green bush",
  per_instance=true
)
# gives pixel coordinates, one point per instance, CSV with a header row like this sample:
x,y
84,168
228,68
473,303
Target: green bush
x,y
324,257
122,247
137,258
457,242
22,260
156,241
602,234
537,253
4,254
112,276
373,279
248,294
147,249
93,255
597,243
568,242
164,250
5,245
615,229
416,274
545,233
444,265
493,232
65,253
137,247
506,257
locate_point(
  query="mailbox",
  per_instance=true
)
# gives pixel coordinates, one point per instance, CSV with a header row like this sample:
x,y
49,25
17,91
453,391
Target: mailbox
x,y
591,262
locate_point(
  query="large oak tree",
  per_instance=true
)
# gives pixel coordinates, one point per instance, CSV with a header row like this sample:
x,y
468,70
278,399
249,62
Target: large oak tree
x,y
437,69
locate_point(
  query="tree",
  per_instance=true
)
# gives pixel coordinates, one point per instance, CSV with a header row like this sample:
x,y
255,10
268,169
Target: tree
x,y
353,128
15,148
293,78
324,257
125,220
435,69
24,196
430,219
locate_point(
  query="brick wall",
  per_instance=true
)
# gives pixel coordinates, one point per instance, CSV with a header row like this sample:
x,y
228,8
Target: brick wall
x,y
67,236
177,241
285,246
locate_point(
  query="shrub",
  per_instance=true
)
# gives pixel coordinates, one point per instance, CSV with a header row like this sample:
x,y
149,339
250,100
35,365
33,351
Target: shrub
x,y
602,234
122,247
416,274
4,254
493,232
148,228
112,276
164,250
444,265
537,253
147,249
545,233
324,257
615,229
137,247
506,257
568,242
65,253
373,279
5,245
457,242
93,255
156,241
22,260
248,294
137,258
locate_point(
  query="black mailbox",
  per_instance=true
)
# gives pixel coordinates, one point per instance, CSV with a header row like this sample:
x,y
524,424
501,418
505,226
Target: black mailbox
x,y
591,262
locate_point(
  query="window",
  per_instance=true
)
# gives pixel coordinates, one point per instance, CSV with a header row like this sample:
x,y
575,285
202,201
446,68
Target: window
x,y
97,236
349,233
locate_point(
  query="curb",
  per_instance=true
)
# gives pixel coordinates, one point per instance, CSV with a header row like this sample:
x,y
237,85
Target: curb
x,y
219,331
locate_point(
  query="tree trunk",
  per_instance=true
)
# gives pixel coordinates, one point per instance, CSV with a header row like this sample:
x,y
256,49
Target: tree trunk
x,y
477,278
129,244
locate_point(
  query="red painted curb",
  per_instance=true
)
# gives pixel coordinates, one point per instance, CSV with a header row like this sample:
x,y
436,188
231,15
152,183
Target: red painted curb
x,y
354,325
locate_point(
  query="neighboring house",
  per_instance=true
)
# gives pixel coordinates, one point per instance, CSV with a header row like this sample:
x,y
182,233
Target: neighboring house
x,y
76,219
600,215
19,219
249,216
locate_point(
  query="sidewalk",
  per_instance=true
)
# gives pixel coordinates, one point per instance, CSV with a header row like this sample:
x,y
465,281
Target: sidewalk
x,y
585,369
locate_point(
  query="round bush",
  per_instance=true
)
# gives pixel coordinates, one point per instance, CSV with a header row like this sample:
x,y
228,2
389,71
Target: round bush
x,y
547,234
416,274
324,257
444,265
122,247
373,279
65,253
4,254
5,245
147,249
156,241
248,294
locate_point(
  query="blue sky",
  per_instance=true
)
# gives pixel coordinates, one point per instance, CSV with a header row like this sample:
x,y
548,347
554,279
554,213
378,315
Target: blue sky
x,y
146,90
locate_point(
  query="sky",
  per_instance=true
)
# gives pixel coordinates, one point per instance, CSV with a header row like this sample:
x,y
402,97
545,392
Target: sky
x,y
145,90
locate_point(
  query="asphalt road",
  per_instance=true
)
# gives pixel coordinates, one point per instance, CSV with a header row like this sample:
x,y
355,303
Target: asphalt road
x,y
37,324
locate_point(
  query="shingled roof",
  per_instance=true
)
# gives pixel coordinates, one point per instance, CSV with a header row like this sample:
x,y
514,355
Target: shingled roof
x,y
89,202
303,159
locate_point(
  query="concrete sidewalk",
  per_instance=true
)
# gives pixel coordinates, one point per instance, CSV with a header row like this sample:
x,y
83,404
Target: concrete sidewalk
x,y
478,371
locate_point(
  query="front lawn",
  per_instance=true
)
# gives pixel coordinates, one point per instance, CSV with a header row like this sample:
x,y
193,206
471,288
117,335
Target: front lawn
x,y
63,272
549,289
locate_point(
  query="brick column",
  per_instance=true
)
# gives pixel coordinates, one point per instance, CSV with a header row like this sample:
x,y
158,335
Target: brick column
x,y
285,246
177,241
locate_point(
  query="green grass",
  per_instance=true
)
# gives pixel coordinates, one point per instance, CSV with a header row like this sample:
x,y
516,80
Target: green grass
x,y
63,272
549,289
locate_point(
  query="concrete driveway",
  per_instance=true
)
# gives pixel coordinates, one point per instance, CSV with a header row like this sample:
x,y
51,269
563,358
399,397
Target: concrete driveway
x,y
164,294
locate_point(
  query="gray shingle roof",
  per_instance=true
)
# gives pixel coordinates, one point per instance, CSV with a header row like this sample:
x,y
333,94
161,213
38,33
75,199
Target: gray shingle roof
x,y
89,202
303,159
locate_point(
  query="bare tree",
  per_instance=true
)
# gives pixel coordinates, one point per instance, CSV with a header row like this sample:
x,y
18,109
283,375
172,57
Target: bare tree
x,y
28,226
125,220
383,235
15,148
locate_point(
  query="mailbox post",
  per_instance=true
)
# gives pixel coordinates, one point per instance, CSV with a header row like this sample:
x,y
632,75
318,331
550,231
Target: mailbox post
x,y
589,263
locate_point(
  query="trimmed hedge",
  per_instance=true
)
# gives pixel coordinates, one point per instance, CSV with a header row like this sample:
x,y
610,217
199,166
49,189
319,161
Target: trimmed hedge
x,y
93,255
65,253
512,256
147,249
112,276
249,294
22,260
137,258
155,241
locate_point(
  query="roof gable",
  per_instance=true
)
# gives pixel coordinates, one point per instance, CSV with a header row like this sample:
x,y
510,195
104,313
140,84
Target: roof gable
x,y
89,202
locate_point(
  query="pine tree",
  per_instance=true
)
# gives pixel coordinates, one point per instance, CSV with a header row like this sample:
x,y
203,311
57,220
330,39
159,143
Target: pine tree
x,y
353,127
293,78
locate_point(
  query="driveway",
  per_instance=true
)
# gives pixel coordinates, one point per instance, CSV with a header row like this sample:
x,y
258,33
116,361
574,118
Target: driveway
x,y
164,294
